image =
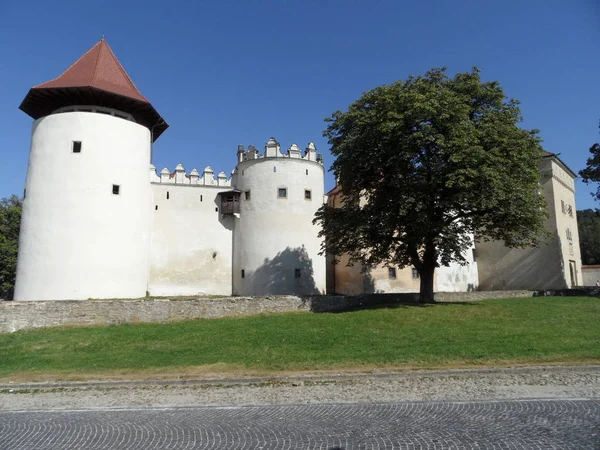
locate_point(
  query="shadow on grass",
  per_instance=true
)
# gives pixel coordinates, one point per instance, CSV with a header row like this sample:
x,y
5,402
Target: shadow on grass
x,y
339,304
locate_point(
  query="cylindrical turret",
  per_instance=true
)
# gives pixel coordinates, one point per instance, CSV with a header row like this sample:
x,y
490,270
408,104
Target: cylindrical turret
x,y
275,243
85,226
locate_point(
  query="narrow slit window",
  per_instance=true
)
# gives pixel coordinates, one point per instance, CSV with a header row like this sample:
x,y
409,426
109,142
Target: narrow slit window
x,y
216,209
282,193
307,194
116,189
156,208
167,195
392,272
247,195
243,273
297,273
274,169
76,146
200,197
306,171
415,274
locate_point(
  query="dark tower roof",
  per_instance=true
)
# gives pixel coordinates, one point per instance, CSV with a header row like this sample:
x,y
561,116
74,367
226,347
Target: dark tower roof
x,y
97,78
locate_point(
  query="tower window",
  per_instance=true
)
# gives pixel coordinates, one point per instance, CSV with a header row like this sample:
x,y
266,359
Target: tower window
x,y
167,195
200,197
76,146
246,195
274,169
282,193
415,273
116,189
156,208
243,273
392,272
307,194
297,273
306,171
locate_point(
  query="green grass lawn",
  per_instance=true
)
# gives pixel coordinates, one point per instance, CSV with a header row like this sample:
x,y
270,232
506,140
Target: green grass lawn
x,y
508,331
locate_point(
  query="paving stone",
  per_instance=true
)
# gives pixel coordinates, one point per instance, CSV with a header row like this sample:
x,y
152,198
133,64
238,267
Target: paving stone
x,y
535,424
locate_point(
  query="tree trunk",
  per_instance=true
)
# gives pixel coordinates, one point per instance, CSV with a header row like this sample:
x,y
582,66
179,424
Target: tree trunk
x,y
426,275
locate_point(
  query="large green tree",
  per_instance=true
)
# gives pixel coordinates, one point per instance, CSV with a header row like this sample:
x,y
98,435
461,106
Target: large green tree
x,y
10,220
591,173
424,164
588,223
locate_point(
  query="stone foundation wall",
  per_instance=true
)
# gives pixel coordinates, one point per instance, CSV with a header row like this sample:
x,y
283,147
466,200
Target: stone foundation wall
x,y
24,315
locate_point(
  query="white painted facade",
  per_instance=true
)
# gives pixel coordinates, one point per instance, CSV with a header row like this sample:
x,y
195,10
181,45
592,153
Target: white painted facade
x,y
78,240
275,243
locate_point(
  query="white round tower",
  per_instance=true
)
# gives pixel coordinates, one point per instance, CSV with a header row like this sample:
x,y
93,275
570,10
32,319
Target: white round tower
x,y
85,227
276,246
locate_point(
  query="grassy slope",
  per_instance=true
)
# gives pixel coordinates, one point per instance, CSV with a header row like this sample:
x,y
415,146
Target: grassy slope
x,y
537,330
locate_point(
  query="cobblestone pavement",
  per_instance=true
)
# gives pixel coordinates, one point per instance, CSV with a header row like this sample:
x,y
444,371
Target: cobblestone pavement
x,y
521,424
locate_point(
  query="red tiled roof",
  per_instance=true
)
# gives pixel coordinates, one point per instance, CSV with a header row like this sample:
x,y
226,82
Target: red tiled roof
x,y
99,68
99,79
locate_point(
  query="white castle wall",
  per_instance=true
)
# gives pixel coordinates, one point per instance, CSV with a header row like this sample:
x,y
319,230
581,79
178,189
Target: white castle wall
x,y
78,240
191,251
275,236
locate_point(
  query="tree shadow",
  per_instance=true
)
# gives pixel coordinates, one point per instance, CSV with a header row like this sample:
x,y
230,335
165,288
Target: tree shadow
x,y
349,303
290,272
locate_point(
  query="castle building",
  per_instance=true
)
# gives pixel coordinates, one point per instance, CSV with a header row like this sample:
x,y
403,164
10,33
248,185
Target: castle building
x,y
98,221
97,224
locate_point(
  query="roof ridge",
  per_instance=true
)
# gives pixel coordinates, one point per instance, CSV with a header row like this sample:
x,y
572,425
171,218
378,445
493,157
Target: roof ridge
x,y
124,72
97,62
69,68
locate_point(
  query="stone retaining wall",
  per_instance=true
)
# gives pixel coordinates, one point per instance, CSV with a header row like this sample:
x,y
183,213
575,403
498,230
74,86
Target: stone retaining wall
x,y
24,315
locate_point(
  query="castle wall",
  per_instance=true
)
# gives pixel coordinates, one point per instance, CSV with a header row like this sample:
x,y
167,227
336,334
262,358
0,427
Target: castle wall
x,y
191,250
78,240
546,266
275,243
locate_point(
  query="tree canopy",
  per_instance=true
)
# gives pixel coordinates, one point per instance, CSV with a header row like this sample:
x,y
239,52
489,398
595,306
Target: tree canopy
x,y
424,164
10,221
591,173
588,223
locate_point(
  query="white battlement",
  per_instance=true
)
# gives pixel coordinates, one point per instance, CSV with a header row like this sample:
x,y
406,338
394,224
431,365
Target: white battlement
x,y
273,150
179,176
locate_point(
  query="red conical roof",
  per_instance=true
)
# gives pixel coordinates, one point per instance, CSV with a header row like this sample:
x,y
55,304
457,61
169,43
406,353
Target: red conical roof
x,y
97,78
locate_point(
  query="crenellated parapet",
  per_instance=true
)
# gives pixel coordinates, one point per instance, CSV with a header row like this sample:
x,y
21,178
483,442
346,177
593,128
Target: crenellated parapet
x,y
273,150
194,178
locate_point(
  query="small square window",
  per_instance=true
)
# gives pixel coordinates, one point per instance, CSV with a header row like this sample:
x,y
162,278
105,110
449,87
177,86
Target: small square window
x,y
392,272
76,146
307,194
116,189
282,193
297,273
246,195
415,274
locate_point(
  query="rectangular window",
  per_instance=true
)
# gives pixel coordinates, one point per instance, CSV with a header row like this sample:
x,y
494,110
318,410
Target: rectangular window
x,y
297,273
274,169
282,193
200,198
243,273
562,206
307,194
76,146
246,195
155,207
392,272
116,189
167,195
415,273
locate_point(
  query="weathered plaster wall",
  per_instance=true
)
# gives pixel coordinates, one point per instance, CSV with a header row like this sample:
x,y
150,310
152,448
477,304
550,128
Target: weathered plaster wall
x,y
191,251
79,240
544,267
591,274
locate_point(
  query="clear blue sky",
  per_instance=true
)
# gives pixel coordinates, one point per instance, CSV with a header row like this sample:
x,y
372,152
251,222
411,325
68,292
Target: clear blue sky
x,y
224,73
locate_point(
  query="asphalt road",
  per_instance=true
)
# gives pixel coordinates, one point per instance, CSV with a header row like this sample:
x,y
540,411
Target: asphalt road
x,y
515,424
